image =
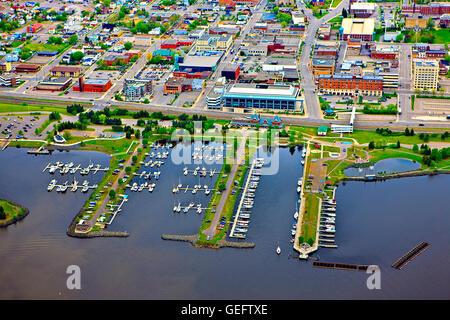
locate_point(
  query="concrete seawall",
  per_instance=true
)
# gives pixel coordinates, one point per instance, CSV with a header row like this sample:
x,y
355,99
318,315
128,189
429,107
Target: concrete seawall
x,y
194,238
395,176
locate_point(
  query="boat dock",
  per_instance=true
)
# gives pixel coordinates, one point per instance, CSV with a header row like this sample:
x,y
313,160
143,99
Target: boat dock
x,y
74,186
39,150
242,216
201,172
70,168
116,209
195,188
410,255
344,266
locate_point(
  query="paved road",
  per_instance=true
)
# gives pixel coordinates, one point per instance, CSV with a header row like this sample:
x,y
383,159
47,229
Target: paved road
x,y
312,104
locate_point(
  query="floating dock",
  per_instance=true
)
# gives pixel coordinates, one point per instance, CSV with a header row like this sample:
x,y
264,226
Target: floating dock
x,y
344,266
410,255
239,227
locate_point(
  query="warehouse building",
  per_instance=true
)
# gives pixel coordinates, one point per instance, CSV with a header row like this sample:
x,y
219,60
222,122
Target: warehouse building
x,y
92,85
58,84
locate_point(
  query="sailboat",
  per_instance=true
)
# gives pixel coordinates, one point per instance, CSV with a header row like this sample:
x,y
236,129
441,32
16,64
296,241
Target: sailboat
x,y
278,250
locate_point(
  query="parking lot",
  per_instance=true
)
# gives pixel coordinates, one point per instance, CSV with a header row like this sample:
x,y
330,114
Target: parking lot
x,y
10,126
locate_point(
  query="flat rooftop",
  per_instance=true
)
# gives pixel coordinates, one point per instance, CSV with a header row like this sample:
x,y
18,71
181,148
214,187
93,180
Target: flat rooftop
x,y
278,91
358,26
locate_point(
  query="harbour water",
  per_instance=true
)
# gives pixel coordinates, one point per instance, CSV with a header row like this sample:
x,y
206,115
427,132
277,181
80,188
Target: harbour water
x,y
386,166
376,223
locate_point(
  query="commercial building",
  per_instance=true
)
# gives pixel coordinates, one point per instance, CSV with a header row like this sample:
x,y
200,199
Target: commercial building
x,y
135,89
212,42
426,74
384,52
35,27
58,84
347,84
362,9
8,80
231,72
65,71
177,85
27,68
357,29
322,66
92,85
198,63
174,44
431,9
263,96
412,23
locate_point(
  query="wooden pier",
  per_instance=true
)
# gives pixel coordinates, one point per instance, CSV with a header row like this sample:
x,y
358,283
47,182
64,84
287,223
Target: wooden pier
x,y
344,266
410,255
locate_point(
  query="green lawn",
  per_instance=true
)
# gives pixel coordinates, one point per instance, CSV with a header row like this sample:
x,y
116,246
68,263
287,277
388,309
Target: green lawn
x,y
310,215
335,3
6,108
363,136
107,146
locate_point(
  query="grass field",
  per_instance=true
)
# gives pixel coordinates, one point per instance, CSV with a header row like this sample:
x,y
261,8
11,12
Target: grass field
x,y
310,216
7,108
107,146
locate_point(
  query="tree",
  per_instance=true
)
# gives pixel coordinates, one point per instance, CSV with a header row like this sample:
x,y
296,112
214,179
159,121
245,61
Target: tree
x,y
344,13
76,56
112,194
2,213
398,143
128,170
128,135
137,134
227,168
407,132
415,148
73,39
371,145
134,158
221,186
128,45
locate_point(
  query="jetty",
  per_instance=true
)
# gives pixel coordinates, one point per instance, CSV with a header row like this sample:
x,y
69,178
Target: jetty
x,y
117,209
410,255
39,150
344,266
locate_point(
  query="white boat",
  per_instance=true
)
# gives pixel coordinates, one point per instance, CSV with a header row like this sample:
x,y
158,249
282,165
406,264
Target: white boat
x,y
278,250
296,215
207,191
302,162
299,189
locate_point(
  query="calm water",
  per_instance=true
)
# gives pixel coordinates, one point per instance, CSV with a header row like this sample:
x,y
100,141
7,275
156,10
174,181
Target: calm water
x,y
387,165
376,223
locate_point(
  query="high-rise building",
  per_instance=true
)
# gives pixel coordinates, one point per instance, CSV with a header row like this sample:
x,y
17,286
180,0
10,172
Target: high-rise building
x,y
426,74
